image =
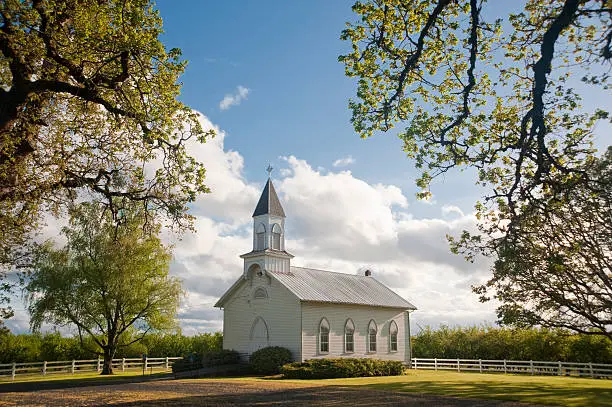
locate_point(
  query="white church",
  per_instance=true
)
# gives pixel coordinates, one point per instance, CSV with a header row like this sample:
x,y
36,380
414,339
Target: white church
x,y
313,313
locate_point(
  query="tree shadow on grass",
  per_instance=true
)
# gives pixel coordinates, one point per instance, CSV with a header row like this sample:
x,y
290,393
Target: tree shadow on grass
x,y
21,387
540,393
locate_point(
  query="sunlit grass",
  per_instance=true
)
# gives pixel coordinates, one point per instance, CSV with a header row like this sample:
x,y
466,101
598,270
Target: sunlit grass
x,y
565,391
552,390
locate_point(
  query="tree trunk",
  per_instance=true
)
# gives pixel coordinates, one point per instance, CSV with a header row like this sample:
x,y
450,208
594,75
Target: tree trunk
x,y
107,366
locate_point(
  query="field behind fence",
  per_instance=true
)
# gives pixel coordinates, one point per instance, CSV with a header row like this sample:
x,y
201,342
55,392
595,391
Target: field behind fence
x,y
533,367
84,366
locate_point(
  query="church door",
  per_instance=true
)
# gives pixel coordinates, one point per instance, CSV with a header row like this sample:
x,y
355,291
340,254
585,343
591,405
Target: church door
x,y
259,335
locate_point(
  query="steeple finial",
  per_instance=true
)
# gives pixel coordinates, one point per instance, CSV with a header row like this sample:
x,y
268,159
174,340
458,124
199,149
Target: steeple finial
x,y
269,170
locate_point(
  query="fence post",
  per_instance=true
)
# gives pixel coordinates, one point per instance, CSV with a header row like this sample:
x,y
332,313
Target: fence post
x,y
480,365
591,370
98,367
123,364
505,367
145,363
458,365
167,363
45,368
13,371
436,364
531,366
72,366
559,368
416,363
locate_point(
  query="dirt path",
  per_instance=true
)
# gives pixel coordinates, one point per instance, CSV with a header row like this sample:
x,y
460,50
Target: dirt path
x,y
211,392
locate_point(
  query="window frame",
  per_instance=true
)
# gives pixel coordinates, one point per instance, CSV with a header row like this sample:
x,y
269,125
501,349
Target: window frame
x,y
372,324
393,334
352,334
324,324
260,289
276,237
260,237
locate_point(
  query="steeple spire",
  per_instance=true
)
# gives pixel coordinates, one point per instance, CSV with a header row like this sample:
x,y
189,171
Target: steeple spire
x,y
269,203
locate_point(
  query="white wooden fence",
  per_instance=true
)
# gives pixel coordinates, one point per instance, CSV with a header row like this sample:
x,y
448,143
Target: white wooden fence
x,y
533,367
81,366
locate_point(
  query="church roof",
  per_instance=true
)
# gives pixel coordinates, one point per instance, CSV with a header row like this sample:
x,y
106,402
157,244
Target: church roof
x,y
268,202
331,287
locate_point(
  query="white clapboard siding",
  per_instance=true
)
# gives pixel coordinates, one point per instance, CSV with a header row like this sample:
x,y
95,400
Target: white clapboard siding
x,y
337,315
281,312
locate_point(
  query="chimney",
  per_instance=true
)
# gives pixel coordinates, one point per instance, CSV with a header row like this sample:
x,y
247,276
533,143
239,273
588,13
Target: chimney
x,y
368,273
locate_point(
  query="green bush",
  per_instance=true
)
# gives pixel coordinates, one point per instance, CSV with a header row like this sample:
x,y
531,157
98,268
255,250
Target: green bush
x,y
220,357
342,367
185,364
215,358
269,360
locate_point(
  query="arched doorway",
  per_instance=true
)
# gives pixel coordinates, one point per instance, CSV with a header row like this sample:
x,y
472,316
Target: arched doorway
x,y
259,335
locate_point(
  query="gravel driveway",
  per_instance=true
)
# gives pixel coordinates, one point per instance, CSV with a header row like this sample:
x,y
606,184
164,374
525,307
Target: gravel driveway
x,y
218,392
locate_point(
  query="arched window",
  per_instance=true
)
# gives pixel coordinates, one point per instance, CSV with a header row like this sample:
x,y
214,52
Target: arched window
x,y
393,337
324,336
260,293
349,336
276,237
260,237
372,331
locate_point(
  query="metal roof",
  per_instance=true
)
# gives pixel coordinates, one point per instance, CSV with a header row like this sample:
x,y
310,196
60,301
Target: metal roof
x,y
268,202
328,286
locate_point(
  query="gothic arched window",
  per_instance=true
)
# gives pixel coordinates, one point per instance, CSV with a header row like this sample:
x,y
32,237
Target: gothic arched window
x,y
372,332
276,237
324,336
393,337
349,336
260,237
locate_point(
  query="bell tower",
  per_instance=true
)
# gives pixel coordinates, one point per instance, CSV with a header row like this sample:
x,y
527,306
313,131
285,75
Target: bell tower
x,y
268,252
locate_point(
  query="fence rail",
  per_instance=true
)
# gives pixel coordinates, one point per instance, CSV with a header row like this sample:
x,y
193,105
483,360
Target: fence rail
x,y
533,367
82,366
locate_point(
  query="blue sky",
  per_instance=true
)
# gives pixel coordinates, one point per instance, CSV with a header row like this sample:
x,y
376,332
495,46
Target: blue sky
x,y
286,54
292,112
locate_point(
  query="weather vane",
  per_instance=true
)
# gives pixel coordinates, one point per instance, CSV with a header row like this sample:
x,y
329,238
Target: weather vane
x,y
269,170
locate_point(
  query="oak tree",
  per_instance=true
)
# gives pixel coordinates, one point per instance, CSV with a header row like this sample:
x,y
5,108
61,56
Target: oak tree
x,y
88,105
501,94
109,280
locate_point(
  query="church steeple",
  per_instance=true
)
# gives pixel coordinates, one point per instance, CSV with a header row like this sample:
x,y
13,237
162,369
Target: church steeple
x,y
269,203
268,234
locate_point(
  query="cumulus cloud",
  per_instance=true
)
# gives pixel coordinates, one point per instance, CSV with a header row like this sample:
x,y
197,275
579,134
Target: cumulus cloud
x,y
335,221
343,162
234,99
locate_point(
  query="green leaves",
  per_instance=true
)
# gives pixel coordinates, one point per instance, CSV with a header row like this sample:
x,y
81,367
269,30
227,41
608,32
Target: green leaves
x,y
110,278
90,106
504,103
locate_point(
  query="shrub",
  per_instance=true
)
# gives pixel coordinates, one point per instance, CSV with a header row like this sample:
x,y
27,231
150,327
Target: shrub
x,y
269,360
194,361
342,367
220,357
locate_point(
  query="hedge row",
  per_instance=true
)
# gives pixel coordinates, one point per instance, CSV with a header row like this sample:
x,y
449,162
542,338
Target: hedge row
x,y
208,359
342,367
511,343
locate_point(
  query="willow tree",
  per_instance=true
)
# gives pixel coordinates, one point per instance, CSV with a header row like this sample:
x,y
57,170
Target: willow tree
x,y
88,98
109,280
500,94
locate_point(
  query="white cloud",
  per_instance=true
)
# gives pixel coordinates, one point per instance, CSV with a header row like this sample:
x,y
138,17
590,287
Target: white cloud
x,y
234,99
335,221
343,162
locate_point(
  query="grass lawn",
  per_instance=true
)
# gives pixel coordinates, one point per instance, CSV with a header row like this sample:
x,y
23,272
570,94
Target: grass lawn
x,y
78,378
554,390
560,391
